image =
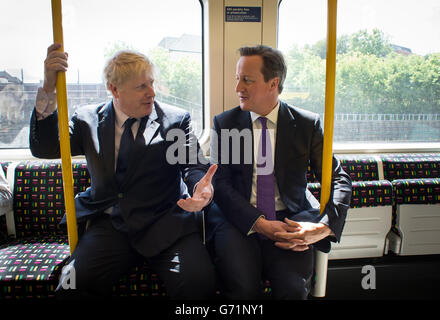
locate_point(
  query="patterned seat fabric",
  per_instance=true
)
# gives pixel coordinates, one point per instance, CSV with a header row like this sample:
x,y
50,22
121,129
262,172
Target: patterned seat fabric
x,y
38,196
30,266
140,282
364,193
415,179
417,191
411,166
371,194
360,167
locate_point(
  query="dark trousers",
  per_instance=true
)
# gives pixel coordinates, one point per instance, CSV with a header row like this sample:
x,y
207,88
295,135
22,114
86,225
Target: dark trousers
x,y
243,261
104,254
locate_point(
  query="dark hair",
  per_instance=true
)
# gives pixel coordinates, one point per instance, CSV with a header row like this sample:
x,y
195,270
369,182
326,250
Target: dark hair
x,y
273,62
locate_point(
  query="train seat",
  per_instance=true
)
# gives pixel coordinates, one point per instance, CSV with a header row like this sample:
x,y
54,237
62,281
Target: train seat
x,y
369,218
37,248
32,259
416,208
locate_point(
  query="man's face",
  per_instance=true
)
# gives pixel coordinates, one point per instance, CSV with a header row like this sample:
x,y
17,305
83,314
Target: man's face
x,y
255,94
135,97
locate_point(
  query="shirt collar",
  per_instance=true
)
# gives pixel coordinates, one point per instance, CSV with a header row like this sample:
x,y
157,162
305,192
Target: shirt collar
x,y
272,116
120,117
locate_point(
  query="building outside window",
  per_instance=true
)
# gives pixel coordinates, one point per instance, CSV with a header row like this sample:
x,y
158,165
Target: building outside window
x,y
93,31
387,71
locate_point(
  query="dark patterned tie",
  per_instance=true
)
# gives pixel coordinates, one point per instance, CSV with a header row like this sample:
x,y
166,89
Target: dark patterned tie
x,y
265,175
127,142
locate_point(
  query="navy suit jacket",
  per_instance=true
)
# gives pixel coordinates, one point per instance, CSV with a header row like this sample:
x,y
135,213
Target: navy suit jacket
x,y
151,187
299,142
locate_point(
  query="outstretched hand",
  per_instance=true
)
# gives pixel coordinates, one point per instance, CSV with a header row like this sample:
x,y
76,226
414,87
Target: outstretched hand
x,y
202,194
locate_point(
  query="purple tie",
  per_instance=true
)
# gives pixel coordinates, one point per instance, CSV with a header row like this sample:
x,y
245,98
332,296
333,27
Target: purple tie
x,y
265,176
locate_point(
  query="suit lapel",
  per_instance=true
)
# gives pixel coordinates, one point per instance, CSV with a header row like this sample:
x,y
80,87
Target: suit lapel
x,y
106,134
286,130
244,122
152,125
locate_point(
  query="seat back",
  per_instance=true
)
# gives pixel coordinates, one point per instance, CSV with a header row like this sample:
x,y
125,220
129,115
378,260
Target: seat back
x,y
39,197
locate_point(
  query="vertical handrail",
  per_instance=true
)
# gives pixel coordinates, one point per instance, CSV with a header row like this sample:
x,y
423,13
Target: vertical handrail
x,y
321,259
63,123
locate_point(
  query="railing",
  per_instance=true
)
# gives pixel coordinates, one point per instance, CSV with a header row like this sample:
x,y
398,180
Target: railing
x,y
16,106
385,117
17,102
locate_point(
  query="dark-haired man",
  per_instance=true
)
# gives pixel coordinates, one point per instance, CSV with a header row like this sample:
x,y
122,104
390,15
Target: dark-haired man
x,y
266,225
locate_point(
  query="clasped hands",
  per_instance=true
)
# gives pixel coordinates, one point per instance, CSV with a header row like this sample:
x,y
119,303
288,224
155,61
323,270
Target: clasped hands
x,y
292,235
202,194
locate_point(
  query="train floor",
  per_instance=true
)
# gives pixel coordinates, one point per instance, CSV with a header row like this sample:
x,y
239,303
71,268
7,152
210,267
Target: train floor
x,y
386,278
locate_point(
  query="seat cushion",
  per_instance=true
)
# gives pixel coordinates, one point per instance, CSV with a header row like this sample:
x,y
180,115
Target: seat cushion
x,y
417,191
29,267
371,194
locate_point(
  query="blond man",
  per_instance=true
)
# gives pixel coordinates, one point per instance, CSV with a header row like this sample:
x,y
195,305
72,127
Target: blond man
x,y
138,207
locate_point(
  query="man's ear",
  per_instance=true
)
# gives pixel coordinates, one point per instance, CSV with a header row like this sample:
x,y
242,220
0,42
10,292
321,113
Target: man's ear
x,y
114,90
274,83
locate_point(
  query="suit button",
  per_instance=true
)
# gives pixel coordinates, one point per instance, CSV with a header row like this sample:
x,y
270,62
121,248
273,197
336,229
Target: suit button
x,y
120,195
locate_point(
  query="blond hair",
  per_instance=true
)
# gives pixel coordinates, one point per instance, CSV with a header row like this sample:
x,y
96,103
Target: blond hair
x,y
125,64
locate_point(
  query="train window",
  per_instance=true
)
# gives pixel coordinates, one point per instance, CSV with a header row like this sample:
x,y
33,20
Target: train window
x,y
387,73
169,32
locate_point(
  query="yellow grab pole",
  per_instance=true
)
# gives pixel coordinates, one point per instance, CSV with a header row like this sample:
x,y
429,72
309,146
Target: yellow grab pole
x,y
327,154
321,259
63,123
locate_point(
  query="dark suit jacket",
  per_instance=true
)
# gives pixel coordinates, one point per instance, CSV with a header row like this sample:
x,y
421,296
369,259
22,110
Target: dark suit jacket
x,y
299,141
151,187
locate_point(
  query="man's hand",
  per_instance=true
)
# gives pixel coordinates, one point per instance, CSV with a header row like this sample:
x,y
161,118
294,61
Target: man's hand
x,y
55,61
269,228
202,194
299,235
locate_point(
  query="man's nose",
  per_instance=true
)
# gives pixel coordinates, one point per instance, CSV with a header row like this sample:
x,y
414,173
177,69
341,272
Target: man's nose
x,y
238,86
150,91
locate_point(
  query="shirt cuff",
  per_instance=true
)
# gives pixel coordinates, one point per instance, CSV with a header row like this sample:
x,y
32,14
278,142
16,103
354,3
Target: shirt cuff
x,y
45,104
324,220
252,231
